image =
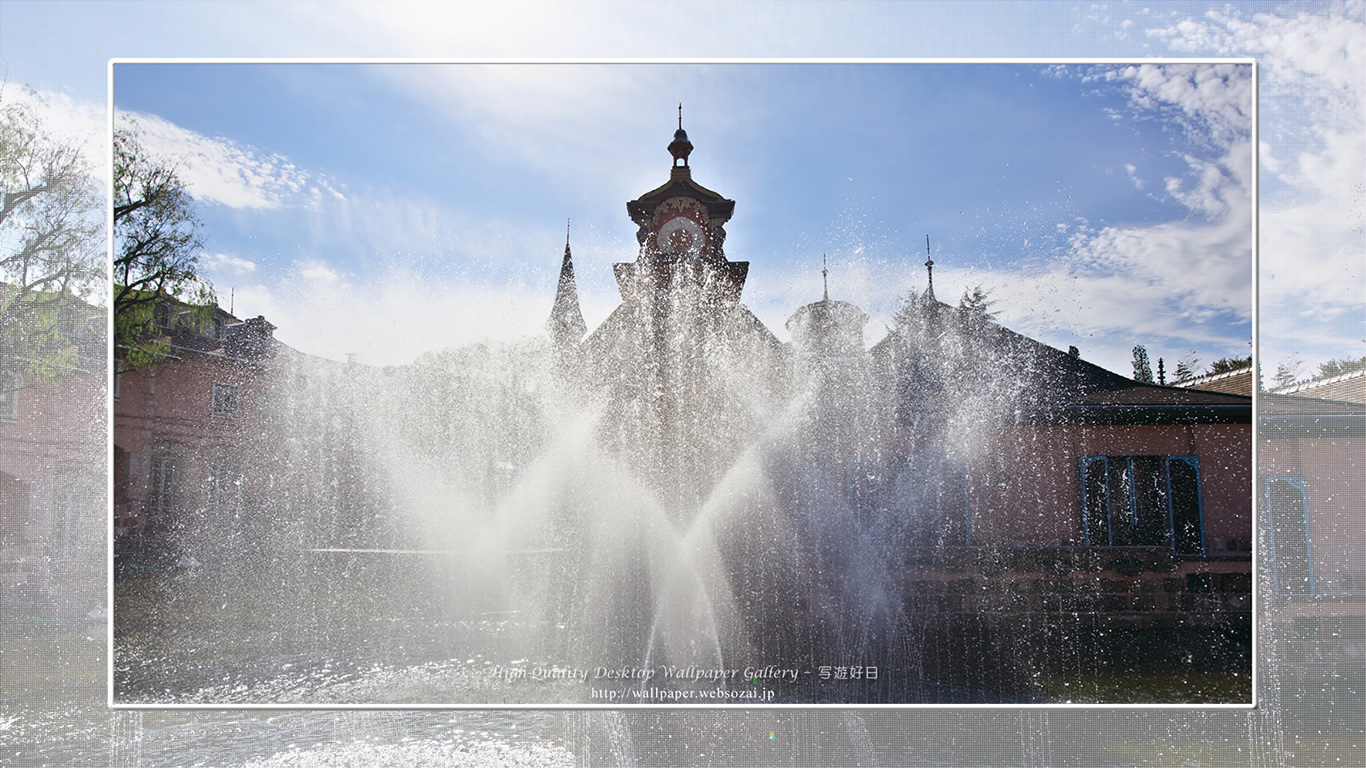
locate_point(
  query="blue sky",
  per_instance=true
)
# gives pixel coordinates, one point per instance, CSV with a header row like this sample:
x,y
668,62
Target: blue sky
x,y
389,210
1103,205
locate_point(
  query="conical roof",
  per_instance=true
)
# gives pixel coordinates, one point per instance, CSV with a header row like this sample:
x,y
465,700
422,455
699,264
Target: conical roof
x,y
566,318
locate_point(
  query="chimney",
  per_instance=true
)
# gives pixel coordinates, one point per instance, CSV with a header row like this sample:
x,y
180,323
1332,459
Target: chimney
x,y
251,339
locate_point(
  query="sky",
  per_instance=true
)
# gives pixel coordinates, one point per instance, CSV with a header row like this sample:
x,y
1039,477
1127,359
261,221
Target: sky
x,y
390,209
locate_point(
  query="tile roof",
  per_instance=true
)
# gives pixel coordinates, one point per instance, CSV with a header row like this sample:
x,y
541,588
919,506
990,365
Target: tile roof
x,y
1070,389
1347,387
1237,382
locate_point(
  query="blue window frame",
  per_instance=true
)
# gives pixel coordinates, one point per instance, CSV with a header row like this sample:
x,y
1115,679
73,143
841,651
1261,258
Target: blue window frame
x,y
1142,501
1286,502
9,397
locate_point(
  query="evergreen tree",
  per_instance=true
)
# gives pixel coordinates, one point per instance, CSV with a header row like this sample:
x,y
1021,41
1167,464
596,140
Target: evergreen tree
x,y
1230,364
909,312
1337,367
1161,372
1143,370
977,304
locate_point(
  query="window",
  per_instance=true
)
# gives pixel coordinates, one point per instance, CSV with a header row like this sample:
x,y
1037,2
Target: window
x,y
1153,501
222,482
9,397
1286,501
224,404
162,487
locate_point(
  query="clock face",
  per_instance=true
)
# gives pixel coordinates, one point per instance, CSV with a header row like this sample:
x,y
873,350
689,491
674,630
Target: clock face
x,y
681,235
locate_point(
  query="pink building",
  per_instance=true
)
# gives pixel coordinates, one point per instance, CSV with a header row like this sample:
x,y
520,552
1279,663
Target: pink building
x,y
52,476
179,425
1310,470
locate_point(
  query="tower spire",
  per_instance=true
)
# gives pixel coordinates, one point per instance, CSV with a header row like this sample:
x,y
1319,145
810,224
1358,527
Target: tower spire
x,y
929,269
825,278
680,146
566,323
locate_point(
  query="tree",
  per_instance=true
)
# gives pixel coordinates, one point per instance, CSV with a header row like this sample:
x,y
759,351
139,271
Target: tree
x,y
1161,372
1143,370
908,313
1337,367
50,244
157,243
1288,372
1186,368
977,304
1229,364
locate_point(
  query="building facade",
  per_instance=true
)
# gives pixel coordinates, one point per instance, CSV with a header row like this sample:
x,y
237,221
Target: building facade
x,y
1031,496
1117,462
52,435
998,482
182,426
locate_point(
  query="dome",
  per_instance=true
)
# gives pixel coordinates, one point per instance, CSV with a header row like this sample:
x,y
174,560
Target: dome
x,y
828,326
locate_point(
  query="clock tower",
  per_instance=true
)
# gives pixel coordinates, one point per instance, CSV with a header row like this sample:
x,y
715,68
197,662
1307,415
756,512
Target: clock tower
x,y
680,227
683,368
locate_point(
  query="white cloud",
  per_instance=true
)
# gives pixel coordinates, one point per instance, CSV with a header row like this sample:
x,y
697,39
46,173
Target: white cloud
x,y
317,271
1213,102
1313,134
227,264
435,279
394,317
393,275
1103,311
1132,170
77,123
1174,283
223,171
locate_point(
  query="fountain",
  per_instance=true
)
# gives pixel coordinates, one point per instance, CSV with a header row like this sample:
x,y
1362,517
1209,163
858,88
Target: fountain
x,y
675,508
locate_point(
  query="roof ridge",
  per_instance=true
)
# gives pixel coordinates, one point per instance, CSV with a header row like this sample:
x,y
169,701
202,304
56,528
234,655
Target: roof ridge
x,y
1212,377
1312,383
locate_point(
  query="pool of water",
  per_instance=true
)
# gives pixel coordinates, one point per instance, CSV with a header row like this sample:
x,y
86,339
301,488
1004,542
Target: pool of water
x,y
273,638
270,638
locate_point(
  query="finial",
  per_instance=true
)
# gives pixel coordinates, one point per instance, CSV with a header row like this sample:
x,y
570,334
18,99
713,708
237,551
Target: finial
x,y
929,268
825,277
566,234
680,146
